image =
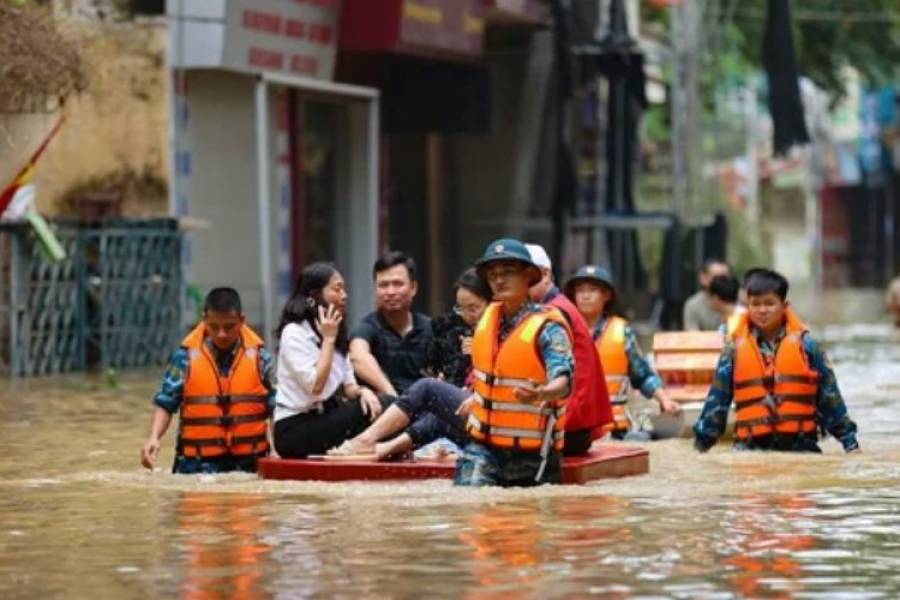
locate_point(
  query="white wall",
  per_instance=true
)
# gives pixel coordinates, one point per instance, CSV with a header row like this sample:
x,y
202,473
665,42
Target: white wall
x,y
223,185
221,189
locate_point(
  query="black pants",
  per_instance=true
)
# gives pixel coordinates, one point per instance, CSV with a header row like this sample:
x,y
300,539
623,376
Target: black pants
x,y
577,443
315,433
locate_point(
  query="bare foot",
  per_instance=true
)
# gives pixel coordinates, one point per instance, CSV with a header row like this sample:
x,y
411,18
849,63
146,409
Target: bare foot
x,y
384,450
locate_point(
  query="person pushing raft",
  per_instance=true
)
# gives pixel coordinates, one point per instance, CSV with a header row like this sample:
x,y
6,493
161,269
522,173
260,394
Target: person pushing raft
x,y
523,367
219,380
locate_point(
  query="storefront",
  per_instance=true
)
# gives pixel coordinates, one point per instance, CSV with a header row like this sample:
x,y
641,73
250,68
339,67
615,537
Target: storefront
x,y
275,163
424,57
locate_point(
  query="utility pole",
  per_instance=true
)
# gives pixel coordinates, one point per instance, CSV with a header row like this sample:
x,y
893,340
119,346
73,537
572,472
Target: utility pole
x,y
686,150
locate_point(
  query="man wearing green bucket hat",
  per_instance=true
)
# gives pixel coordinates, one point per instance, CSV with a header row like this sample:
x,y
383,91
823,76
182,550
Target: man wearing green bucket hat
x,y
522,366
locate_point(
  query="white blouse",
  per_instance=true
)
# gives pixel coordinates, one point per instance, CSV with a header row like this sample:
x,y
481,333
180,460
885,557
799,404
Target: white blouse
x,y
298,353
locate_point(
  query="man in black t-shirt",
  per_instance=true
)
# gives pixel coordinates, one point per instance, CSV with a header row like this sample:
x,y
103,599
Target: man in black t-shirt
x,y
388,348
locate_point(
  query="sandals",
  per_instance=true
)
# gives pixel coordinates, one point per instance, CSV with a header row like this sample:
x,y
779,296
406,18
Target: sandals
x,y
348,449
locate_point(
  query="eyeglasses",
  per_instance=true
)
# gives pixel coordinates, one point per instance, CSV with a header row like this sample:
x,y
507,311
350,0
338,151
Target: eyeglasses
x,y
462,311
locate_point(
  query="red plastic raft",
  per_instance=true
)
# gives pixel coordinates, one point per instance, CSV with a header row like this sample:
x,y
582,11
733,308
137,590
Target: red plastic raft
x,y
604,461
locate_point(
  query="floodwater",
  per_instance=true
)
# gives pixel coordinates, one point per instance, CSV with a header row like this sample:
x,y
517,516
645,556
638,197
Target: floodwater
x,y
79,518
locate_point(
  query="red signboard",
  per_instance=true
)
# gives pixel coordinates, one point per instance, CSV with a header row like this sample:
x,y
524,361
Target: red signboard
x,y
514,12
433,28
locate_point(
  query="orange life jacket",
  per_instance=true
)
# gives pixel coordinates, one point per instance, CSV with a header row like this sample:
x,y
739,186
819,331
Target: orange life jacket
x,y
223,415
499,418
777,398
610,346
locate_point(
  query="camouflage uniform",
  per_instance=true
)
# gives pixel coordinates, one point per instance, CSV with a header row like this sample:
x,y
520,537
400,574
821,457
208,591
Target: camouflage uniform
x,y
485,465
831,412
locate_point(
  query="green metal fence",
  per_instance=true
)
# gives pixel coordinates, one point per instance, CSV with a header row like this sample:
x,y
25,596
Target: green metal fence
x,y
115,301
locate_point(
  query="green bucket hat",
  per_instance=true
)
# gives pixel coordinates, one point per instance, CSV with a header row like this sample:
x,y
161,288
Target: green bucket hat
x,y
508,249
592,273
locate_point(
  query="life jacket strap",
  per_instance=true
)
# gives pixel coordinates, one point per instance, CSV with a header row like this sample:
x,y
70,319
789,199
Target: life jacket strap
x,y
492,381
206,442
796,379
203,399
519,407
509,432
775,420
249,439
798,398
224,421
763,381
249,399
225,399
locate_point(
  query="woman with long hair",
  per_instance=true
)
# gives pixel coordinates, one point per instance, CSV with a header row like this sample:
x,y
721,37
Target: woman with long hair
x,y
319,403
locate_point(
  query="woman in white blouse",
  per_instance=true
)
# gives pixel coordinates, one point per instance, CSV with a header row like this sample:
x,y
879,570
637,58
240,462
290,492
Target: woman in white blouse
x,y
318,404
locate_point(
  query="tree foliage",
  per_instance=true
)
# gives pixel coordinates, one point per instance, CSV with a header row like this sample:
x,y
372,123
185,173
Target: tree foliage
x,y
828,36
38,67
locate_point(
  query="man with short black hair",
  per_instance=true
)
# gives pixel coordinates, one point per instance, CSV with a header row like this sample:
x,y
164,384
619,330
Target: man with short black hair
x,y
220,383
779,378
388,348
699,314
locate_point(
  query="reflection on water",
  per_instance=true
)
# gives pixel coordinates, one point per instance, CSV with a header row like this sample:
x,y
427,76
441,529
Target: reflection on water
x,y
78,517
223,552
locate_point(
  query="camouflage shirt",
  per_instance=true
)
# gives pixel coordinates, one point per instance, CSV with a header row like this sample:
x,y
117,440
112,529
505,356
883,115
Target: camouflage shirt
x,y
831,412
641,376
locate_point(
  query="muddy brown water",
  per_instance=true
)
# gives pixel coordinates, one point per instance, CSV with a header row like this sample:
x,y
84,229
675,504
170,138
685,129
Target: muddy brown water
x,y
79,518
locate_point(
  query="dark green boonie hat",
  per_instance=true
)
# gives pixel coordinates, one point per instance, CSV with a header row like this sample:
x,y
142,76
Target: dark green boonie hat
x,y
591,273
508,249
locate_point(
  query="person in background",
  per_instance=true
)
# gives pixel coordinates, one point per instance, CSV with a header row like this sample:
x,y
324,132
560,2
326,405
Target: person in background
x,y
319,403
699,314
388,348
723,297
779,378
593,292
220,381
588,411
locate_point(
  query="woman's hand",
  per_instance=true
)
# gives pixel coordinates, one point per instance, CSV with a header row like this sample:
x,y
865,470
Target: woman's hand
x,y
369,403
329,322
466,407
465,344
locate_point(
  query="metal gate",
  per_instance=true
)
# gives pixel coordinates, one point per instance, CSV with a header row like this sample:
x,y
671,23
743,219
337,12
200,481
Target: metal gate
x,y
115,301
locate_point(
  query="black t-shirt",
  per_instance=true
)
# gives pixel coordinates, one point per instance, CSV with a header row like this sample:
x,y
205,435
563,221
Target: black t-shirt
x,y
401,358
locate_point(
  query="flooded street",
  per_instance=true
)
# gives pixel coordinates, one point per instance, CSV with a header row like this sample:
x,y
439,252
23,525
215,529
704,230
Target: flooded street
x,y
79,518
